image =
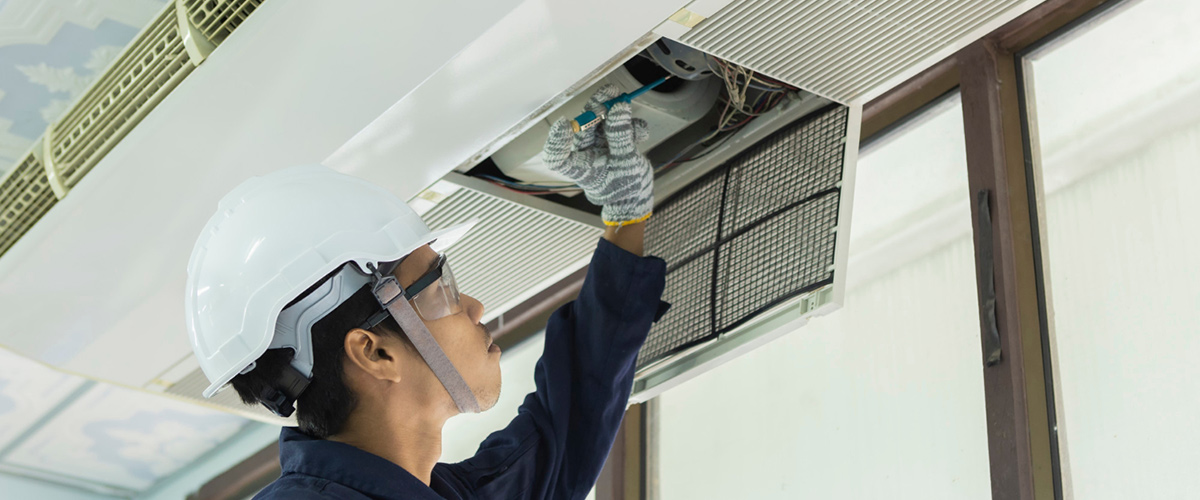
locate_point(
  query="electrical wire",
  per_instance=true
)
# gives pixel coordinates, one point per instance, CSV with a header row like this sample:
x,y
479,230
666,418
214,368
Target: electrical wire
x,y
738,80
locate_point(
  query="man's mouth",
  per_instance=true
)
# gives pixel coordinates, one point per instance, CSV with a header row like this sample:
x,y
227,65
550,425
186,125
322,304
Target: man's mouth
x,y
487,334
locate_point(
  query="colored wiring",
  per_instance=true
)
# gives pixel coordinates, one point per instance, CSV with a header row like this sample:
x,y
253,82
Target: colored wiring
x,y
736,113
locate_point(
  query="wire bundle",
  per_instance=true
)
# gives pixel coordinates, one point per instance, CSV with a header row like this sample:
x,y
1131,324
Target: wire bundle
x,y
738,83
742,86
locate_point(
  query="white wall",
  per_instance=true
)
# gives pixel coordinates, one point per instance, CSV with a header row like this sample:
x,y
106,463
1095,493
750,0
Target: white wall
x,y
1118,124
1124,245
882,399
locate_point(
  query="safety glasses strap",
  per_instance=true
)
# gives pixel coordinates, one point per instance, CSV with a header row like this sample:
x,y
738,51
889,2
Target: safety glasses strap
x,y
391,297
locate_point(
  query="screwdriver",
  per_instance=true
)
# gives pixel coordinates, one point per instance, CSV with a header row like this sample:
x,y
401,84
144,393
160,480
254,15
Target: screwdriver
x,y
588,119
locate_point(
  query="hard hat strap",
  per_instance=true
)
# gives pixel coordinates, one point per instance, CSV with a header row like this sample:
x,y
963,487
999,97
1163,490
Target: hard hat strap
x,y
391,297
281,397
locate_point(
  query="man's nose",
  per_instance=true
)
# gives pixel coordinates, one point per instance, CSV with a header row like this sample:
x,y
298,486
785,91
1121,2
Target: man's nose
x,y
474,307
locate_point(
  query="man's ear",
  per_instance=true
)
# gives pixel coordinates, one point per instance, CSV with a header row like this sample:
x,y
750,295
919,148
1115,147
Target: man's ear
x,y
373,354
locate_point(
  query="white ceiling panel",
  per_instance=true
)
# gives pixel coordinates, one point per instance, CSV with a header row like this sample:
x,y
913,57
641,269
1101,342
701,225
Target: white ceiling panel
x,y
27,391
122,438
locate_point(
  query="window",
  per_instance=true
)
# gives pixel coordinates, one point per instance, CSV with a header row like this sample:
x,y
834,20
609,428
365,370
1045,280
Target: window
x,y
881,399
1115,126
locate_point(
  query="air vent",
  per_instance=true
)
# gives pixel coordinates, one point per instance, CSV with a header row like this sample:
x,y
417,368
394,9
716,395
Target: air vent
x,y
153,64
147,70
516,249
840,49
218,18
25,196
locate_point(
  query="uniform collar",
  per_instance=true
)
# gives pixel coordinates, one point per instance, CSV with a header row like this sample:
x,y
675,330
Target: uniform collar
x,y
341,463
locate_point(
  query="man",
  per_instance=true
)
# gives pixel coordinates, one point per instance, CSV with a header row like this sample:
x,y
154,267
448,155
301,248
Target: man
x,y
318,293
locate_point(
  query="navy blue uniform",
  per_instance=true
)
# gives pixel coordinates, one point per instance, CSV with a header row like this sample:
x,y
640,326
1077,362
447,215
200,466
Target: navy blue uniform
x,y
563,431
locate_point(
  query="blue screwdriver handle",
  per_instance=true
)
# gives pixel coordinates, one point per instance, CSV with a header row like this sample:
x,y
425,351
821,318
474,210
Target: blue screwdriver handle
x,y
589,119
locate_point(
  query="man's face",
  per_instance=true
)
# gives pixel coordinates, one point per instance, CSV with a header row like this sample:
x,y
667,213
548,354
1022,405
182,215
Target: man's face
x,y
465,340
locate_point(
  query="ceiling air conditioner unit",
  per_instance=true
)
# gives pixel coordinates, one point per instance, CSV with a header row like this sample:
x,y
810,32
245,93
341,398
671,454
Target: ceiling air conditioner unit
x,y
425,100
753,229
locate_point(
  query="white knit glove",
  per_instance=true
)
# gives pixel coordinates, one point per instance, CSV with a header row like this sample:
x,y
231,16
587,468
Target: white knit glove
x,y
607,164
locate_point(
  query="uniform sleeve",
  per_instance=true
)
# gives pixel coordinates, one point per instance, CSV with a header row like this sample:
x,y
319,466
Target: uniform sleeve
x,y
558,442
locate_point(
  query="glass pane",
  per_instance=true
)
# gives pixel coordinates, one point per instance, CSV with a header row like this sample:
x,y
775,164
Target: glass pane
x,y
1117,118
882,399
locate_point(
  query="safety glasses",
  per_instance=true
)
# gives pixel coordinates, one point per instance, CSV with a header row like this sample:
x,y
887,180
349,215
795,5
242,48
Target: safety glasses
x,y
435,295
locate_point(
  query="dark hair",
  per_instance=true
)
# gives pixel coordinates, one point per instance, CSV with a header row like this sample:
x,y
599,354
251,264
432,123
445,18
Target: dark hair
x,y
323,408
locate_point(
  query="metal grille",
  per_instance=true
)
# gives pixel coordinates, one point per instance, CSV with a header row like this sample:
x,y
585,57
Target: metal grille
x,y
803,158
150,67
689,222
842,49
514,250
764,266
25,196
751,234
689,290
218,18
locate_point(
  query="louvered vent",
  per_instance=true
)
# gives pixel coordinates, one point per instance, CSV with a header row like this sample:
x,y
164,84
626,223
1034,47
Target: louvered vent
x,y
514,250
153,64
194,383
147,70
218,18
838,48
25,196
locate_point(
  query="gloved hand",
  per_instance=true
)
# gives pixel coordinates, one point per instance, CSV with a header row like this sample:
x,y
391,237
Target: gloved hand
x,y
606,163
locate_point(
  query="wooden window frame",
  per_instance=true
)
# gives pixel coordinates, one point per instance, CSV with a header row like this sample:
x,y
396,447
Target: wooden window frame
x,y
1021,414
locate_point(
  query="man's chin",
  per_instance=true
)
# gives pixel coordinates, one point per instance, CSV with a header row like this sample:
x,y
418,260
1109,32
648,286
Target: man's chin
x,y
488,397
487,403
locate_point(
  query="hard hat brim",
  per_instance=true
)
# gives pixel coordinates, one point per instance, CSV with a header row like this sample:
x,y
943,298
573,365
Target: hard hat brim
x,y
445,238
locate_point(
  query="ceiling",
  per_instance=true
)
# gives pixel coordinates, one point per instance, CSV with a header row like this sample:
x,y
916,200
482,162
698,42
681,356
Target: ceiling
x,y
53,426
74,431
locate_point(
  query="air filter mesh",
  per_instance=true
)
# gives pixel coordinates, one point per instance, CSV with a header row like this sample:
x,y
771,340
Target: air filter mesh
x,y
753,233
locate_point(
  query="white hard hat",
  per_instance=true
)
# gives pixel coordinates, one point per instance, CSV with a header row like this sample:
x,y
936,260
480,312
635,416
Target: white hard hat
x,y
272,238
